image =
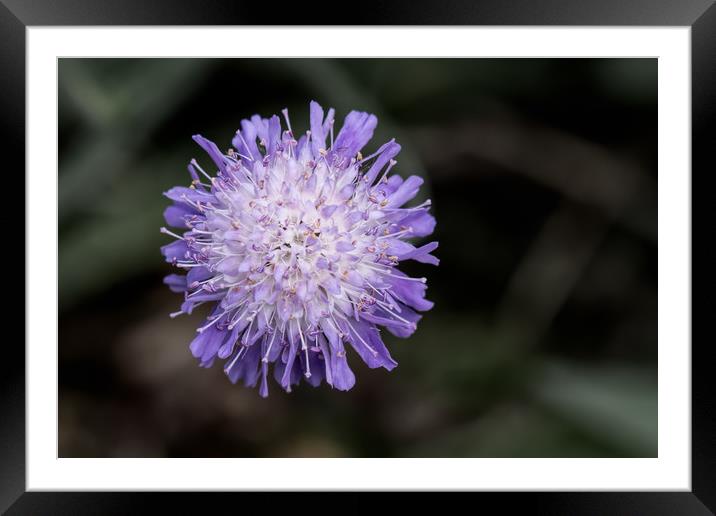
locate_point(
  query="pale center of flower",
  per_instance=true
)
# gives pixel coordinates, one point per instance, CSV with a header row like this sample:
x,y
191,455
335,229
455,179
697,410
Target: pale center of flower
x,y
303,248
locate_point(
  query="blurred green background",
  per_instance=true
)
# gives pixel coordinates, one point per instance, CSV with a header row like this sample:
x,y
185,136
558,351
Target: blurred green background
x,y
543,339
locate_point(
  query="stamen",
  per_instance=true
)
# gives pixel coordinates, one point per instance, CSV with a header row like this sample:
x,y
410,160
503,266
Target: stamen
x,y
239,354
393,235
167,232
265,358
196,164
284,111
307,374
408,278
214,321
246,146
350,326
391,164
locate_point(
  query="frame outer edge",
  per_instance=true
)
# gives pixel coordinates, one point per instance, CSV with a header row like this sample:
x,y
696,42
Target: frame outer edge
x,y
12,364
703,112
371,12
12,102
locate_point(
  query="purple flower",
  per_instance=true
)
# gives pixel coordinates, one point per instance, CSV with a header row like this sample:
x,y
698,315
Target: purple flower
x,y
295,244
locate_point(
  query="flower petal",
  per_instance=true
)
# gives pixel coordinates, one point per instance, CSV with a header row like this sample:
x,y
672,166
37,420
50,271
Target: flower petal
x,y
357,130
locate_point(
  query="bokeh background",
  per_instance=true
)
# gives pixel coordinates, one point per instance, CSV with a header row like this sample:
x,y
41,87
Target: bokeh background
x,y
543,339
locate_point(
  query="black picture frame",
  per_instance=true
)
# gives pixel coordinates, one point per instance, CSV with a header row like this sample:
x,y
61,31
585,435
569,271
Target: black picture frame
x,y
700,15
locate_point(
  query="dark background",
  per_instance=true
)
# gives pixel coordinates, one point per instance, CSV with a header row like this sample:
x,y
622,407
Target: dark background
x,y
543,338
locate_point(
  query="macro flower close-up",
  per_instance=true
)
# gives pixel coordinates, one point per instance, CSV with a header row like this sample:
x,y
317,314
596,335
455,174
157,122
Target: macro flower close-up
x,y
295,242
260,257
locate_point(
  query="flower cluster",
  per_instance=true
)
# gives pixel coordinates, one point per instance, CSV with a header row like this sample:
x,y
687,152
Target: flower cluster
x,y
295,243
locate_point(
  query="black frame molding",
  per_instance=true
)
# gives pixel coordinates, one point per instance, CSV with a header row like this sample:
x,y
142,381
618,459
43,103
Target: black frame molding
x,y
700,15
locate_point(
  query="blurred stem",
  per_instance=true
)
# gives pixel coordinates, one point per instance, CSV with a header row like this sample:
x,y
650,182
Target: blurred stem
x,y
548,273
616,404
122,122
581,171
116,242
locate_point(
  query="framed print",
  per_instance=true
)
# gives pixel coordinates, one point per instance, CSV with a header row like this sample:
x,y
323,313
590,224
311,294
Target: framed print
x,y
431,249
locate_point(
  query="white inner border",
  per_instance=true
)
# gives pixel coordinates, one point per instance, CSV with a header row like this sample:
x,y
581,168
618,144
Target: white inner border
x,y
671,470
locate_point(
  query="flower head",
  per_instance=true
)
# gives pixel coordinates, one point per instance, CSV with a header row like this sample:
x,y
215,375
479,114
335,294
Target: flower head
x,y
296,244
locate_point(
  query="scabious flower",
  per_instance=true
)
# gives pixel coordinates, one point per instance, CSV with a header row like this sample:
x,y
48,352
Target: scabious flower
x,y
296,244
